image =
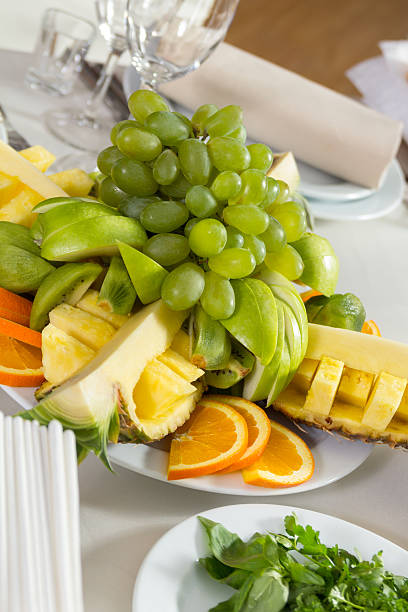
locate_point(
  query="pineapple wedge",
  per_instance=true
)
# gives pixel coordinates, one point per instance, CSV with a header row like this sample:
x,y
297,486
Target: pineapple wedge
x,y
305,373
180,365
88,329
39,157
375,413
62,355
74,182
18,208
89,303
323,389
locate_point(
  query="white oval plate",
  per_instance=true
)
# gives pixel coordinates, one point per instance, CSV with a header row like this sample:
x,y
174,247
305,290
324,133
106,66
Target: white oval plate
x,y
315,183
184,586
334,456
378,204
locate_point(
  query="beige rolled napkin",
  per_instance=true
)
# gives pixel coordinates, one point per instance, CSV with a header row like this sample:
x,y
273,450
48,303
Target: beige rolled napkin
x,y
323,128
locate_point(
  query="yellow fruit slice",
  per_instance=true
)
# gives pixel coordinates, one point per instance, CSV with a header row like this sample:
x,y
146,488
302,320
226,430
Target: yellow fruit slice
x,y
286,461
89,303
215,437
39,157
180,365
182,344
74,182
259,429
91,331
63,355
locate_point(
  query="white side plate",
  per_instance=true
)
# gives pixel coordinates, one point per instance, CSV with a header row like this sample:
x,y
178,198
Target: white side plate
x,y
334,456
185,586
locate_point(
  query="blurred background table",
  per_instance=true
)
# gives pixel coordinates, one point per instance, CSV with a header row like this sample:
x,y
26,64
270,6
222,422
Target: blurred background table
x,y
123,514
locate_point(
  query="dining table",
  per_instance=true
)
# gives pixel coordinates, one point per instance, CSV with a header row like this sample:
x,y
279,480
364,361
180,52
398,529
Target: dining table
x,y
123,514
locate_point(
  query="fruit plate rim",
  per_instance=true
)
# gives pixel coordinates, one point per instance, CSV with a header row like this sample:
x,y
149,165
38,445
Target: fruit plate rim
x,y
335,457
183,583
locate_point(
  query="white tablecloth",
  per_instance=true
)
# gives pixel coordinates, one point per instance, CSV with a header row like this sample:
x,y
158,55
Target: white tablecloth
x,y
123,514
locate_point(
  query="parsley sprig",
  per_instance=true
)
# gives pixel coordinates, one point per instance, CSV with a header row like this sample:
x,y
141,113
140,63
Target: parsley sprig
x,y
298,573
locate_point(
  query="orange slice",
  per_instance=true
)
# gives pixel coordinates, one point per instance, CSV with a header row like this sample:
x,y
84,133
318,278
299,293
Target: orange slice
x,y
285,462
259,429
20,364
370,327
20,332
213,438
306,295
14,307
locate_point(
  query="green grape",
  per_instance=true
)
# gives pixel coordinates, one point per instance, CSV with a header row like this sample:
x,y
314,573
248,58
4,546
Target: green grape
x,y
288,262
183,286
132,206
163,216
194,161
107,158
233,263
247,218
292,217
254,188
224,121
138,143
187,121
261,156
134,177
120,126
226,185
178,189
207,238
168,127
283,194
189,226
274,237
109,193
201,117
144,102
218,297
200,201
239,134
166,167
271,193
167,249
228,154
234,238
256,246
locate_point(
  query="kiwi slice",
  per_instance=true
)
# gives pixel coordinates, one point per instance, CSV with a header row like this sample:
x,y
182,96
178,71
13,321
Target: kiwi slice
x,y
240,364
20,270
212,344
117,293
19,236
66,284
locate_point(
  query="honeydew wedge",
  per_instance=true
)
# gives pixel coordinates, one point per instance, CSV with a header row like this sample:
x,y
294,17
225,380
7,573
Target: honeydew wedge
x,y
98,401
91,237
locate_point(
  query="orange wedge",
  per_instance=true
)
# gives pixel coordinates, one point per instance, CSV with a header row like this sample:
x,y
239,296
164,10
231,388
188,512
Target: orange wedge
x,y
14,307
370,327
213,438
20,332
285,462
259,429
306,295
20,364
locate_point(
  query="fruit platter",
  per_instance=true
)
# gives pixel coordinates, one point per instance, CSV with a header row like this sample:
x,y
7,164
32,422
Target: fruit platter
x,y
177,299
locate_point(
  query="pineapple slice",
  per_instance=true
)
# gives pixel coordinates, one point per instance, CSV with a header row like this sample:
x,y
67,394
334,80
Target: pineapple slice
x,y
321,394
39,157
355,387
89,303
383,402
157,388
18,208
88,329
182,344
62,355
9,185
402,411
305,373
74,182
180,365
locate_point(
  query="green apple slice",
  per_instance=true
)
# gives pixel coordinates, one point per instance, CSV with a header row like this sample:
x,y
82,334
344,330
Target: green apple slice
x,y
321,266
51,203
293,336
58,218
255,321
66,284
212,344
281,377
18,236
97,236
258,383
146,274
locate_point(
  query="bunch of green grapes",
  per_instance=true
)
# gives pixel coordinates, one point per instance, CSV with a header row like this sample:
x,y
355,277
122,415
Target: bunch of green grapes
x,y
211,212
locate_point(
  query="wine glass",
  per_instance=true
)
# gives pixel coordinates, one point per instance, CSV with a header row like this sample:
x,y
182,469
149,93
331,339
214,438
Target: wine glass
x,y
168,38
88,128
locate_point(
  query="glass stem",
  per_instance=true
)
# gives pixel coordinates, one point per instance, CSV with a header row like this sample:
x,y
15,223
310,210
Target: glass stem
x,y
147,84
96,99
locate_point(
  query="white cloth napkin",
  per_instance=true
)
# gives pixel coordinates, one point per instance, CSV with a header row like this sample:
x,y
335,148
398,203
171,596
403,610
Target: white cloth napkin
x,y
383,81
291,113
